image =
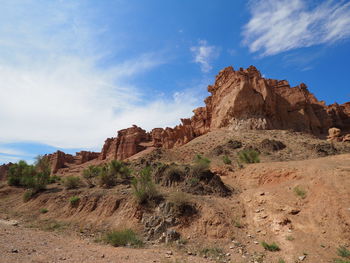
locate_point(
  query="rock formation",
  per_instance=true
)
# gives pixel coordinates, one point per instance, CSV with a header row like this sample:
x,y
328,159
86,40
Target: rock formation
x,y
60,159
239,100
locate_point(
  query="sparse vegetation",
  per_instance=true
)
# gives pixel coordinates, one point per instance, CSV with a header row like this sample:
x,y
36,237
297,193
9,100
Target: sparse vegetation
x,y
193,181
112,172
289,238
90,174
28,194
143,187
74,201
43,210
249,156
343,252
237,223
281,261
300,192
201,165
72,182
126,237
212,252
338,260
182,203
270,247
226,159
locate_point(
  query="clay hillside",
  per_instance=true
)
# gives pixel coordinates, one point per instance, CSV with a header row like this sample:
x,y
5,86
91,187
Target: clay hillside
x,y
261,173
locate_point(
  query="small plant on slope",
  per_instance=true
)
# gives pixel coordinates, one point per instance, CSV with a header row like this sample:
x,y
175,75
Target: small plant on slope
x,y
143,187
270,247
249,156
72,182
300,192
226,159
125,237
74,201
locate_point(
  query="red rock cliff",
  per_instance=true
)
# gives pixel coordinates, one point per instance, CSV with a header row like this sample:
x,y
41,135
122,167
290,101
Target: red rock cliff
x,y
240,99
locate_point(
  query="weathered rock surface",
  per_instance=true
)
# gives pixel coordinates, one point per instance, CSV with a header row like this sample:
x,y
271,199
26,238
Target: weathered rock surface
x,y
60,159
239,100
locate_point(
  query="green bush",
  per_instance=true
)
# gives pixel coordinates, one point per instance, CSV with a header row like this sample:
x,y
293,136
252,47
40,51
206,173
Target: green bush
x,y
54,179
343,252
43,210
248,156
28,194
91,173
72,182
281,260
74,200
226,159
125,237
201,165
34,177
112,172
270,247
341,261
300,192
143,187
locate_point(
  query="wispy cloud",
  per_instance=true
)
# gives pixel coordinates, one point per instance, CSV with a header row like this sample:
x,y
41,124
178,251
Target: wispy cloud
x,y
54,89
204,54
280,25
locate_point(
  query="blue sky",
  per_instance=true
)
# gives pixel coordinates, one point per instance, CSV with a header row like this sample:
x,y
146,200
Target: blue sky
x,y
72,73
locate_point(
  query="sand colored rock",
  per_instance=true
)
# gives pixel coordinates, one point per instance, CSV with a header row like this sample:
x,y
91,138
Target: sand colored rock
x,y
334,134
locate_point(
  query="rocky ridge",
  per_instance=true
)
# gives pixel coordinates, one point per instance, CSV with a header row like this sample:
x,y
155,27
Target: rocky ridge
x,y
239,100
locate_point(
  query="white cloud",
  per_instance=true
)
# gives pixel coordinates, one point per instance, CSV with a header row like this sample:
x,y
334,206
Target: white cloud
x,y
281,25
53,88
204,54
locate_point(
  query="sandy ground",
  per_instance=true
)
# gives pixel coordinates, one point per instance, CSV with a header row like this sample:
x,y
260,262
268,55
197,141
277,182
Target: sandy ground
x,y
20,244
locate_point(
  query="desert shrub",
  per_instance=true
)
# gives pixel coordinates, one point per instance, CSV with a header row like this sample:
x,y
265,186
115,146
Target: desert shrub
x,y
212,252
341,261
201,165
270,247
74,200
112,172
143,187
249,156
54,179
91,173
28,194
233,144
343,252
193,181
34,177
125,237
182,203
226,159
281,261
72,182
42,164
119,169
173,174
43,210
300,192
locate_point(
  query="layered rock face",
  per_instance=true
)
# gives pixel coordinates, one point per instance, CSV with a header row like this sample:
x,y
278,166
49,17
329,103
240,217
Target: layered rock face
x,y
60,159
239,100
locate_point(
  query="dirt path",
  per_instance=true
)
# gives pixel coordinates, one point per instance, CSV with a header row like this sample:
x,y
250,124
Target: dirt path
x,y
20,244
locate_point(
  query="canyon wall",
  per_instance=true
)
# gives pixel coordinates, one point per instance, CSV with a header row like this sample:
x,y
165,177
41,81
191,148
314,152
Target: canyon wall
x,y
239,100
